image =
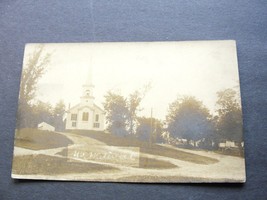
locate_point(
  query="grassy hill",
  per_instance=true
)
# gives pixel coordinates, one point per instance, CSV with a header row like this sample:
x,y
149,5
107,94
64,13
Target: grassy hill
x,y
35,139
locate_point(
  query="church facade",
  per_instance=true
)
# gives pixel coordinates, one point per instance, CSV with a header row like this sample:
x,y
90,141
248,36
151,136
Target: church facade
x,y
86,115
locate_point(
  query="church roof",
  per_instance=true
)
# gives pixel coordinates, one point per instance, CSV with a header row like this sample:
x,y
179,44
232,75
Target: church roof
x,y
81,106
98,107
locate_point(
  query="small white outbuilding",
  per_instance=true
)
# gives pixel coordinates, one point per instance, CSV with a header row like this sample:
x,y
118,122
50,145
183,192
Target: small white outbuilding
x,y
45,127
228,144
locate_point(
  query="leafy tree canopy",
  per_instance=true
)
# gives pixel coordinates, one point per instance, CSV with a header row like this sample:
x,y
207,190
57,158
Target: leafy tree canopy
x,y
117,113
188,118
133,105
229,123
122,112
34,69
149,129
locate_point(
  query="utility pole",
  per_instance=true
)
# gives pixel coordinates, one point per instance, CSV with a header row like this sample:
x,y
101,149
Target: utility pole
x,y
151,128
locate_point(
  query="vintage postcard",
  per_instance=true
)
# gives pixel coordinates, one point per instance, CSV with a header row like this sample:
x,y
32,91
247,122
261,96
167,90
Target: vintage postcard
x,y
130,112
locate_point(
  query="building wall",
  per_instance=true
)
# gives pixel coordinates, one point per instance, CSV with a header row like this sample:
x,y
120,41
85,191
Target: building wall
x,y
86,125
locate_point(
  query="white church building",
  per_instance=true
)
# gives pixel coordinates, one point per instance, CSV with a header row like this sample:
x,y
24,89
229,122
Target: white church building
x,y
86,115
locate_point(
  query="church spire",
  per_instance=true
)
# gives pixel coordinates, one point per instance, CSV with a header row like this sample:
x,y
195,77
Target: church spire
x,y
87,96
89,77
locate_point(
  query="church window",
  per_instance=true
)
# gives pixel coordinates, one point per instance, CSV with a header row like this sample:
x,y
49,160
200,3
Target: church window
x,y
73,124
96,117
73,116
85,116
96,125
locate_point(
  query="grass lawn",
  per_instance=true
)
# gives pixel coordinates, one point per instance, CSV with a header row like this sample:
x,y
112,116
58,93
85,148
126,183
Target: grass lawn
x,y
177,154
155,149
35,139
50,165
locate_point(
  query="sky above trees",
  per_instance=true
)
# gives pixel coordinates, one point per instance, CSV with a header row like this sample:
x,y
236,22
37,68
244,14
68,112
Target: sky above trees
x,y
199,69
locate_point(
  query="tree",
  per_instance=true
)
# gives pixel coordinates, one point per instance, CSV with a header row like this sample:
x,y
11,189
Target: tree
x,y
189,119
117,113
43,112
133,104
33,70
229,123
122,112
58,114
146,126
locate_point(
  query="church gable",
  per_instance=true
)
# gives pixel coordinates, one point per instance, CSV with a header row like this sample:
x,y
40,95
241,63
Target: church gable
x,y
98,109
85,107
74,109
86,115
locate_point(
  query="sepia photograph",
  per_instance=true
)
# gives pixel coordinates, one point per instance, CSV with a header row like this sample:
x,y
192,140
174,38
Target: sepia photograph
x,y
151,112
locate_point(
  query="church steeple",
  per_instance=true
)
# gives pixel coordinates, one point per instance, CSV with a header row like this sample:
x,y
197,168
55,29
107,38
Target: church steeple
x,y
89,77
87,96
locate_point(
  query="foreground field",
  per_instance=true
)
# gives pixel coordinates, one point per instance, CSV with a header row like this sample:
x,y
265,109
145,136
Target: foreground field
x,y
85,157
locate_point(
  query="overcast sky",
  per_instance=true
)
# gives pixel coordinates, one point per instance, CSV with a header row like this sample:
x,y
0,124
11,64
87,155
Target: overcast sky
x,y
199,68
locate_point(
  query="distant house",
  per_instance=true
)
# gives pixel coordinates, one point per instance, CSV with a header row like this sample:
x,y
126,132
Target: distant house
x,y
227,145
46,127
86,115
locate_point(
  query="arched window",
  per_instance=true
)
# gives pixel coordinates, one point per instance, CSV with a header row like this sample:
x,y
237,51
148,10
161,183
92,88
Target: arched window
x,y
85,116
